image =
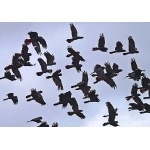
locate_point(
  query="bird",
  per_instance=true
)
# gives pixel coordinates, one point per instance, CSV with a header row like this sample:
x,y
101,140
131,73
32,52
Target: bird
x,y
118,48
132,48
75,109
83,85
112,114
36,41
74,34
101,44
37,120
116,68
43,67
64,99
55,124
36,95
9,76
137,73
43,124
56,79
50,58
92,96
133,92
12,97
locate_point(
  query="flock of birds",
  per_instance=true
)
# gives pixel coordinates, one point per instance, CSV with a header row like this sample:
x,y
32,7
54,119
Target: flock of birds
x,y
101,73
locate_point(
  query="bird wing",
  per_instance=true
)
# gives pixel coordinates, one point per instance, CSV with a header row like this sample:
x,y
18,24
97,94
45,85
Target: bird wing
x,y
58,82
134,89
36,46
108,68
33,35
42,64
118,46
74,104
24,49
73,30
133,65
85,77
50,57
15,100
101,41
111,82
71,50
131,44
115,67
137,100
40,99
42,42
17,73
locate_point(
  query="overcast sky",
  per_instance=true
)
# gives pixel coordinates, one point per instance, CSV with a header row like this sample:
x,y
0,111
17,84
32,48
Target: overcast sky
x,y
55,33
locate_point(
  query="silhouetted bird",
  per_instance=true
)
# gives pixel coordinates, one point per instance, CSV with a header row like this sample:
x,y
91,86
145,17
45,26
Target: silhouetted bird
x,y
74,34
101,44
37,120
9,76
118,48
43,67
50,58
132,48
36,95
36,40
12,97
43,124
75,109
56,79
55,124
112,114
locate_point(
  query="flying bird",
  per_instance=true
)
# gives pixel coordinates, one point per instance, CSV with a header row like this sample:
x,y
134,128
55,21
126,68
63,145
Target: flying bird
x,y
118,48
50,58
12,97
36,95
43,124
43,67
74,34
132,48
9,76
75,109
101,44
36,41
112,115
56,79
37,120
55,124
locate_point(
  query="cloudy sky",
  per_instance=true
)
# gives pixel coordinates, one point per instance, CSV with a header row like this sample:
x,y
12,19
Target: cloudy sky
x,y
55,33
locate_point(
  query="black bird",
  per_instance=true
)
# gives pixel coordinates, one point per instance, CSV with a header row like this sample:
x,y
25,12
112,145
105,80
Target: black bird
x,y
118,48
64,99
43,124
137,73
43,67
132,48
36,95
9,76
50,58
12,97
74,34
55,124
101,44
92,96
112,114
37,120
83,85
36,40
75,109
56,79
133,92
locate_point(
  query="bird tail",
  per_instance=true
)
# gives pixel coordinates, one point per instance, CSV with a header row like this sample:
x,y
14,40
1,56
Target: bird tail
x,y
49,77
69,40
56,104
69,66
125,53
73,86
70,113
106,116
112,52
104,124
95,48
2,78
129,97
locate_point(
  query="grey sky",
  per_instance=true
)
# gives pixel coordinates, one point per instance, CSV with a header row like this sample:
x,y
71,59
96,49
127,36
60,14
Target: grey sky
x,y
55,34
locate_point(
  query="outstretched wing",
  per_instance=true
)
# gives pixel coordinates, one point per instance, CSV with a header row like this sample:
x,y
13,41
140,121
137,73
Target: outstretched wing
x,y
58,82
138,100
42,42
74,104
85,77
131,44
50,58
111,82
17,73
133,64
33,35
71,51
24,49
101,42
73,30
134,89
42,64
